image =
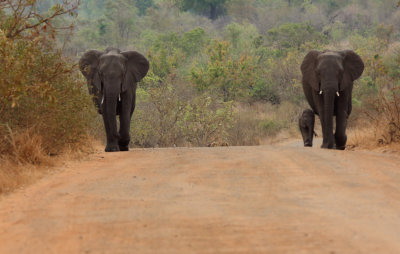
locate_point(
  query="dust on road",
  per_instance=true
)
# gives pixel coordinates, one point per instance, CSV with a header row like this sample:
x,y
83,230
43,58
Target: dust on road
x,y
267,199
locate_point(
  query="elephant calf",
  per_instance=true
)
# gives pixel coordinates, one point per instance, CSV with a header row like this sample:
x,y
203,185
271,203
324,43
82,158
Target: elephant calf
x,y
306,125
112,78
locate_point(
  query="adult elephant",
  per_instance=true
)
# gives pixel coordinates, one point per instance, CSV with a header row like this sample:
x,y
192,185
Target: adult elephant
x,y
328,78
112,78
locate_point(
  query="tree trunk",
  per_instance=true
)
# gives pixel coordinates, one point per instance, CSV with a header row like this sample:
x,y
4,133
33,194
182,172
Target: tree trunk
x,y
213,12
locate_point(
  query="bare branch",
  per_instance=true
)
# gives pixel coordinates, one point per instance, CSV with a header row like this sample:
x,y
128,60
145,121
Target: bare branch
x,y
26,18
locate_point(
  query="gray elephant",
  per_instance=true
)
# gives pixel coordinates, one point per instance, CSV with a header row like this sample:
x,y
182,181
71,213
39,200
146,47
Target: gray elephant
x,y
306,126
112,78
328,83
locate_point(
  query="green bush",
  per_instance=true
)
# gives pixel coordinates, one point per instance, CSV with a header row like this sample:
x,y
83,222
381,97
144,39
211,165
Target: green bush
x,y
294,35
263,91
227,76
206,122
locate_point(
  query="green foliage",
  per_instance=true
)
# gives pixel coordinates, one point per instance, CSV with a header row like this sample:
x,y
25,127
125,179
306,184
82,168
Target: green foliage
x,y
169,113
143,5
210,8
121,15
189,43
263,91
164,63
392,61
270,126
205,122
294,35
284,73
242,36
227,76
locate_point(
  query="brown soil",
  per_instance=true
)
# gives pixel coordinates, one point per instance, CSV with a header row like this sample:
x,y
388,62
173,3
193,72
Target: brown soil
x,y
267,199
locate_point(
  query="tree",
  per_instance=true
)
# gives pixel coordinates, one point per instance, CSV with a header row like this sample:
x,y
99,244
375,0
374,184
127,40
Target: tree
x,y
227,76
26,20
293,35
143,5
211,8
121,15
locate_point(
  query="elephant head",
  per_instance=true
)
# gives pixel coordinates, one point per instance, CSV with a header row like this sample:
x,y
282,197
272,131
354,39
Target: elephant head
x,y
331,70
306,126
111,72
330,74
112,76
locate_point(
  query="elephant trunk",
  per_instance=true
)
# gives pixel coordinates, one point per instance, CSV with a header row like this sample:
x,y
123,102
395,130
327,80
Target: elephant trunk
x,y
328,111
109,108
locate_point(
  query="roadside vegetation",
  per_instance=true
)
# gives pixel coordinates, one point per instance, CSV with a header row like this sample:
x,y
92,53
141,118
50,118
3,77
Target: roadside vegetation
x,y
222,71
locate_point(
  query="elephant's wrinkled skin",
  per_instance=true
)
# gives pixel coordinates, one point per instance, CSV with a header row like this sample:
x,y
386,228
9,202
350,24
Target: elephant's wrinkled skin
x,y
328,83
306,126
112,78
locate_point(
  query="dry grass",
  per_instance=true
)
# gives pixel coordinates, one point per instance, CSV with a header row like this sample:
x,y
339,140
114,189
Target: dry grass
x,y
13,176
362,138
24,160
24,147
381,123
373,135
262,123
368,138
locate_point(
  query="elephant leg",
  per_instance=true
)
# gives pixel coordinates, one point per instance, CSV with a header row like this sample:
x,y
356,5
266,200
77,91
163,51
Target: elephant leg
x,y
326,139
128,101
311,131
109,108
341,123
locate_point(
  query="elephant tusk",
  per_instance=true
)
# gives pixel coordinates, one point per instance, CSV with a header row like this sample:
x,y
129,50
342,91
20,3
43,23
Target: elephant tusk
x,y
119,97
102,100
337,93
320,92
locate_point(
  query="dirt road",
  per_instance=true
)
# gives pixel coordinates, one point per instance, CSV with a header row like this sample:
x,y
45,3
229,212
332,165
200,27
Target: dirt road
x,y
267,199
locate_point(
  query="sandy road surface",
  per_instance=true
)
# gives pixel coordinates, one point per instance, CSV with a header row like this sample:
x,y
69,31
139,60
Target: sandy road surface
x,y
268,199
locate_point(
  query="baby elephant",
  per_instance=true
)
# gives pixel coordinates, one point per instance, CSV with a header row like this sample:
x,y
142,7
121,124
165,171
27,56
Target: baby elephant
x,y
306,125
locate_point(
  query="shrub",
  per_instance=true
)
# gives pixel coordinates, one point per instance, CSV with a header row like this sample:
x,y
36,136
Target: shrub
x,y
385,115
160,107
225,75
263,91
169,115
40,91
255,123
294,35
206,122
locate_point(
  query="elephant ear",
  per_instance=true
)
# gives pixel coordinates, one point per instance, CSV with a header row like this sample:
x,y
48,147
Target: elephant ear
x,y
137,67
308,69
88,65
353,67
